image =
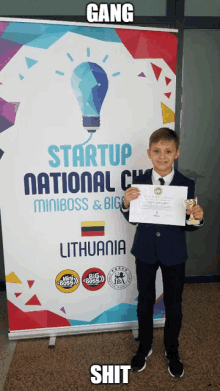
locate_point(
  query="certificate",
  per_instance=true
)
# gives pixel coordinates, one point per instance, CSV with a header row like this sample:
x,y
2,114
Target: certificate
x,y
159,205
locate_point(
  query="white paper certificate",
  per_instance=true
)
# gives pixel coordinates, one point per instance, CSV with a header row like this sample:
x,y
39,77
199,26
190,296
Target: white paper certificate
x,y
159,205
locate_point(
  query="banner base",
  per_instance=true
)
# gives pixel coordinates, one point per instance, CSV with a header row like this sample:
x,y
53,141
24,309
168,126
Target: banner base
x,y
61,331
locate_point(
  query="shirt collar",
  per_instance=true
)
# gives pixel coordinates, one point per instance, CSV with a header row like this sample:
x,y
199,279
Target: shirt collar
x,y
168,178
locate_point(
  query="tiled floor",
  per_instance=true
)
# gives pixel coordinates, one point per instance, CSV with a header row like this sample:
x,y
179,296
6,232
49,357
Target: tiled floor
x,y
6,347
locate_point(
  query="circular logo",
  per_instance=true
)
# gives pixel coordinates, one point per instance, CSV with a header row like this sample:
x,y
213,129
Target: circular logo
x,y
67,281
158,190
119,277
93,279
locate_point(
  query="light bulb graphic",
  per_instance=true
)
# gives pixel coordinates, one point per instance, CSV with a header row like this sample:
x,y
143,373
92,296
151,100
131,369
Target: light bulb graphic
x,y
90,84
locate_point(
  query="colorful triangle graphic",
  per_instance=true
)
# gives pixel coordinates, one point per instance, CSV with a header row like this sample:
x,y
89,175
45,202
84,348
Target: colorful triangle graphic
x,y
142,74
33,301
168,94
30,283
167,80
12,278
18,294
30,62
157,70
168,114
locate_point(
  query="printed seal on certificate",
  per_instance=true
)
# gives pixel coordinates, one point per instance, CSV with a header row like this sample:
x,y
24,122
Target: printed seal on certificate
x,y
158,191
189,204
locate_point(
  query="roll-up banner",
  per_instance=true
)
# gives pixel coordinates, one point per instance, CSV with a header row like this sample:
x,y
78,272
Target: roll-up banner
x,y
78,104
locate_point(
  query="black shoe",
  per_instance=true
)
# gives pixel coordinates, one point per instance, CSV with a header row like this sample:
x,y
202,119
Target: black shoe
x,y
175,366
138,362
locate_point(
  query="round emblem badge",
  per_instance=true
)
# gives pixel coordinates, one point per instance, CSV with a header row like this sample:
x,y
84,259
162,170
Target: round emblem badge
x,y
158,190
67,281
119,277
93,279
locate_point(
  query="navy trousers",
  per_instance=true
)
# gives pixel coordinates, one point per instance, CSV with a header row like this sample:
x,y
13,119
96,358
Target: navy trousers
x,y
173,282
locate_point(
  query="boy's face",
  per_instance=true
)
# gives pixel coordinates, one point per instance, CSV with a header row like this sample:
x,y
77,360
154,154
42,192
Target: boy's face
x,y
162,155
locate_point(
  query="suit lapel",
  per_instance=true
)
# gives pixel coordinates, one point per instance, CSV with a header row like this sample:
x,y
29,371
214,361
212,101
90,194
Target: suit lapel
x,y
176,180
148,179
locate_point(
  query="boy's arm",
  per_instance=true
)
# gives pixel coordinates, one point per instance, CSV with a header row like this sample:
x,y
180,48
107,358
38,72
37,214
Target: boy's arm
x,y
125,213
130,194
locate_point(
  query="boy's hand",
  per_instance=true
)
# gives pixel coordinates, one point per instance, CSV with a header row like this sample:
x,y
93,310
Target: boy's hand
x,y
197,212
132,193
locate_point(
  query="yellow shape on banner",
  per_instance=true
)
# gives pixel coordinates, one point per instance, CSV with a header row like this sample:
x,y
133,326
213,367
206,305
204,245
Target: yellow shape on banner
x,y
12,278
92,223
168,114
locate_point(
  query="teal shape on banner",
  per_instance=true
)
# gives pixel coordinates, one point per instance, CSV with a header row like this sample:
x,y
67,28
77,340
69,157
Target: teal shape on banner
x,y
30,62
42,35
123,312
21,77
38,35
101,33
46,40
23,33
120,313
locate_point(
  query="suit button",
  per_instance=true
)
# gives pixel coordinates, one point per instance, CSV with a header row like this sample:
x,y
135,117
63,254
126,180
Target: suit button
x,y
158,234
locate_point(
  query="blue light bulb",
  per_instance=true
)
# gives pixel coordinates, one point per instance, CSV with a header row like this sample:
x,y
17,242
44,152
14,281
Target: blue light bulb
x,y
90,83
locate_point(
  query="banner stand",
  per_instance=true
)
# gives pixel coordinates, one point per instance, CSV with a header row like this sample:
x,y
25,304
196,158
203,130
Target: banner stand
x,y
78,104
52,333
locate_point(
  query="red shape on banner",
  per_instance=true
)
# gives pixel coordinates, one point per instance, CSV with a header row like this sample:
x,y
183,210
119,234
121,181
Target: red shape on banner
x,y
157,70
167,80
18,294
168,94
95,233
20,320
33,301
150,44
142,74
30,283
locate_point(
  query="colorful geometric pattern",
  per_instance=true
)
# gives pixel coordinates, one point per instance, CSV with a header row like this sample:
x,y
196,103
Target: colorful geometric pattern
x,y
123,312
7,114
142,74
157,70
150,44
30,283
168,114
14,35
18,294
140,44
20,320
30,62
167,80
33,301
12,278
93,228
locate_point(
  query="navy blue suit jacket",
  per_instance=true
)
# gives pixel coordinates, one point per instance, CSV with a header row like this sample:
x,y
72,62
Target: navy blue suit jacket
x,y
164,242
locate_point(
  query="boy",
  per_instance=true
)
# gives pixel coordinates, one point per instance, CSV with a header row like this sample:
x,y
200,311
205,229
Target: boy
x,y
161,245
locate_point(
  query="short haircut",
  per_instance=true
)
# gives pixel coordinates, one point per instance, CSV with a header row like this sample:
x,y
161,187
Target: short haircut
x,y
164,134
